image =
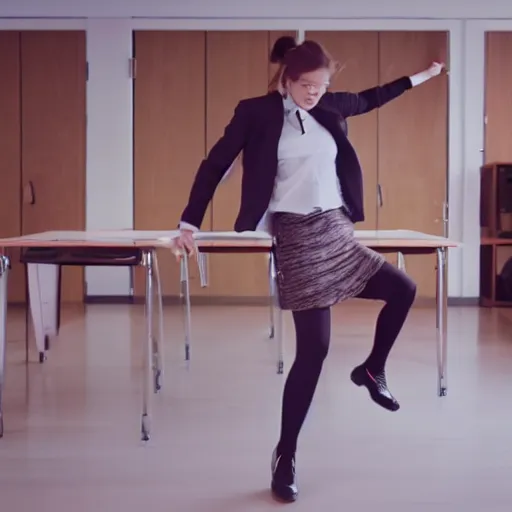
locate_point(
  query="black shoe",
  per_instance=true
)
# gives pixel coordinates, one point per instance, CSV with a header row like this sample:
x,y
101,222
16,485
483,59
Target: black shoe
x,y
283,477
377,387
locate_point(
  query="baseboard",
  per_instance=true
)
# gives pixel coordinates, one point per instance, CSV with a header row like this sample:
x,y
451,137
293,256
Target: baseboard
x,y
463,301
109,299
249,301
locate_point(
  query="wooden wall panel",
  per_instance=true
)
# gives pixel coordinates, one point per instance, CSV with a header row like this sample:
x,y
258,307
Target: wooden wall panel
x,y
53,81
10,160
237,68
413,145
169,138
498,97
357,54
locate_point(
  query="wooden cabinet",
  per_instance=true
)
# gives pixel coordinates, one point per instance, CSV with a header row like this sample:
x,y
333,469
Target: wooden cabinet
x,y
186,88
42,126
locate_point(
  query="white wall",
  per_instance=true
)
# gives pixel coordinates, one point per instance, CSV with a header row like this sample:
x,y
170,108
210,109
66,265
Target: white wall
x,y
109,142
109,98
433,9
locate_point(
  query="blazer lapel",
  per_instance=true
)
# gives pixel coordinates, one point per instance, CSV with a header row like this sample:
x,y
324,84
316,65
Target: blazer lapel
x,y
329,120
276,114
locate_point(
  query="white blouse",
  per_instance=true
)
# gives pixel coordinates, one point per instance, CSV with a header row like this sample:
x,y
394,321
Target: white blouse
x,y
306,175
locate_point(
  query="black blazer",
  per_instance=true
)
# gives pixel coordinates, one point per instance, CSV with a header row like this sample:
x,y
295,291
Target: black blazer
x,y
256,128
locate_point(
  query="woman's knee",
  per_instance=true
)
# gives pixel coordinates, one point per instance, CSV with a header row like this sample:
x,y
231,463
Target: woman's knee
x,y
399,287
405,289
409,291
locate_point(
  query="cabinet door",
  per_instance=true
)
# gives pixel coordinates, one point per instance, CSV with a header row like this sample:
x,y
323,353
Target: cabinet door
x,y
10,161
413,145
237,67
169,138
357,54
498,97
53,81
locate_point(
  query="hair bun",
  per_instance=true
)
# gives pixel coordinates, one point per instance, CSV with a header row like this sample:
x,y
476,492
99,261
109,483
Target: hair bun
x,y
281,46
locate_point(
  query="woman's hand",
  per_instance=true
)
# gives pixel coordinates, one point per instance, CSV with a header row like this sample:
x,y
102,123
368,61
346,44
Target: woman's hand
x,y
435,69
184,243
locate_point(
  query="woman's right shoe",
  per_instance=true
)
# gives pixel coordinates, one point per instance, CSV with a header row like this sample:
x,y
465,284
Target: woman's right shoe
x,y
283,485
377,387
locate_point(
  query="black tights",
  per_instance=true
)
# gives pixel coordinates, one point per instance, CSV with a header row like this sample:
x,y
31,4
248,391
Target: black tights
x,y
313,332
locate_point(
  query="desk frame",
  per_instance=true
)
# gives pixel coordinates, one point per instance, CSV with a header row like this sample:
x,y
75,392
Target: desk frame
x,y
153,349
207,246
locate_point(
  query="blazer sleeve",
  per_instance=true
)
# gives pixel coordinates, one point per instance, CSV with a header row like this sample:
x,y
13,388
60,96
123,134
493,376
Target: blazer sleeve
x,y
354,104
213,168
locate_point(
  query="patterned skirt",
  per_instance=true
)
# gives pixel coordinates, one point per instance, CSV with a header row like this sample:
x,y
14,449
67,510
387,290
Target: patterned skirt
x,y
318,261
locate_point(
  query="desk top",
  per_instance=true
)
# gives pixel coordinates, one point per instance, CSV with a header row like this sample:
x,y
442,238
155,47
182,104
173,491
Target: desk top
x,y
399,238
101,238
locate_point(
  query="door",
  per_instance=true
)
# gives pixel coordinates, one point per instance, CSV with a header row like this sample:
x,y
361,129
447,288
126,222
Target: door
x,y
53,81
357,54
169,139
498,97
413,145
237,68
10,160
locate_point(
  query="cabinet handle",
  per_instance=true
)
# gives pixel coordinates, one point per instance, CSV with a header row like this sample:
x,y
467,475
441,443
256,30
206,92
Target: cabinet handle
x,y
379,196
29,195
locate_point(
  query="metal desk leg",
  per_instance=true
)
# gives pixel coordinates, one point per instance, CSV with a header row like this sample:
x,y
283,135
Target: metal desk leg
x,y
158,343
4,273
202,264
401,262
185,292
271,276
280,325
441,321
148,347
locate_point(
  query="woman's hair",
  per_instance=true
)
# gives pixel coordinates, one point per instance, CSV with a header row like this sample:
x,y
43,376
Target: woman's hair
x,y
295,60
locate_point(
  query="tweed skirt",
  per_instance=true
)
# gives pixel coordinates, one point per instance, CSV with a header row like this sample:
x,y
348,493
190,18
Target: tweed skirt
x,y
318,261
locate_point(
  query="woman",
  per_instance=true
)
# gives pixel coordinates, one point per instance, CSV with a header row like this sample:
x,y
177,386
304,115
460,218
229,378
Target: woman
x,y
300,168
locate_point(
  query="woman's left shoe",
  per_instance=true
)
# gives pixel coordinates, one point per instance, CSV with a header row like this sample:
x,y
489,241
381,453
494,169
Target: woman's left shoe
x,y
284,486
377,387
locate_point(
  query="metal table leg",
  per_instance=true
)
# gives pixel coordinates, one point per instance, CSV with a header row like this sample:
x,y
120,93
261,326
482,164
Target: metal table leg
x,y
275,305
148,347
401,261
4,273
158,343
441,321
271,276
185,292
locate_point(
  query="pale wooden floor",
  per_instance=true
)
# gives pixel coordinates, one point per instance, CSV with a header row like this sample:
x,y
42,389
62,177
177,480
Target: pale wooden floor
x,y
72,424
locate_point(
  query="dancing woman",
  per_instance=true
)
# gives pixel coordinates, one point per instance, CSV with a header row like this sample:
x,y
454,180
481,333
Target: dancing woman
x,y
302,175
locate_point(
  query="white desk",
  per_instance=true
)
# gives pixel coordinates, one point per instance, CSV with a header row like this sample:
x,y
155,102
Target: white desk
x,y
46,252
390,241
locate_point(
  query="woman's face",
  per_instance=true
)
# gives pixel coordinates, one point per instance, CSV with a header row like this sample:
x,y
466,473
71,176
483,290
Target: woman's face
x,y
309,88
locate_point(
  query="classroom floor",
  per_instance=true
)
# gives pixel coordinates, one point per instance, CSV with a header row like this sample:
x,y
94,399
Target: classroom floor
x,y
72,438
